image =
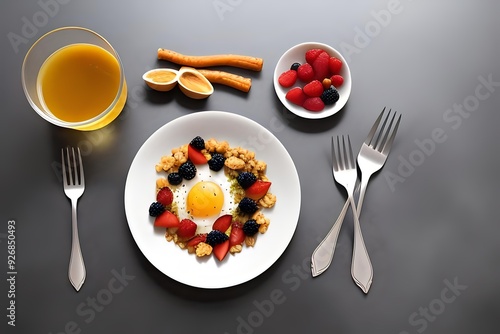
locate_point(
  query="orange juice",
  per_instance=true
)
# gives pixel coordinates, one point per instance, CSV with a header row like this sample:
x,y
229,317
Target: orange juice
x,y
79,82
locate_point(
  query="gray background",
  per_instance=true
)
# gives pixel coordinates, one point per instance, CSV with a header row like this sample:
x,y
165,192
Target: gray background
x,y
436,229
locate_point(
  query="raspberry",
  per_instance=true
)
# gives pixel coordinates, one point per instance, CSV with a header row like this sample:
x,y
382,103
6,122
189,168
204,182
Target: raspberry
x,y
335,65
337,80
165,196
288,78
305,72
314,104
296,95
321,66
330,96
313,89
312,54
320,77
198,143
187,229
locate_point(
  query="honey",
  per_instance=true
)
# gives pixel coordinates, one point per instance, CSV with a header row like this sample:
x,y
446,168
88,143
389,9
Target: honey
x,y
161,76
194,82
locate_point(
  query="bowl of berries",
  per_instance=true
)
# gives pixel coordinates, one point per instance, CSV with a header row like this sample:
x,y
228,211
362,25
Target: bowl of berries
x,y
312,80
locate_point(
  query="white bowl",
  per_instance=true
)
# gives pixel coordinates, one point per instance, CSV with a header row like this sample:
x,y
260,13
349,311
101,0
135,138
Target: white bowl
x,y
296,54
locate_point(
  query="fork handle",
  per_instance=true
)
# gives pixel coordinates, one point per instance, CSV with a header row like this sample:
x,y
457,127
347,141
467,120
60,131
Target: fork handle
x,y
76,270
323,254
362,186
361,266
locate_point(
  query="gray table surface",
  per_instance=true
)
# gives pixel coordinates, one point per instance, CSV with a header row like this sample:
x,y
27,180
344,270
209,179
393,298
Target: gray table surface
x,y
430,216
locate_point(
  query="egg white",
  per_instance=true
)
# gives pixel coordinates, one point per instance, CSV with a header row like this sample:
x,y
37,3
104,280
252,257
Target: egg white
x,y
204,173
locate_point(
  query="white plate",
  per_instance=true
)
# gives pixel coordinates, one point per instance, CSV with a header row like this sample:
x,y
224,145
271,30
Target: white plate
x,y
209,272
297,54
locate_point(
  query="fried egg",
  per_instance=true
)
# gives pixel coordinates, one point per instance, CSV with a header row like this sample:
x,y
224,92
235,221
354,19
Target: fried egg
x,y
204,198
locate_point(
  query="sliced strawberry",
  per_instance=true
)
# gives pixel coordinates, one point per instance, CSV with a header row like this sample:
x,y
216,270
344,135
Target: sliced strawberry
x,y
220,250
321,66
312,54
222,223
337,80
187,229
165,196
314,88
257,190
288,78
335,65
305,72
196,240
196,156
314,104
167,219
237,235
296,95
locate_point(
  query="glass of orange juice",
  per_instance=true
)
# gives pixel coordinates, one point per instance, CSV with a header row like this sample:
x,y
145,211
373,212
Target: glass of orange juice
x,y
74,78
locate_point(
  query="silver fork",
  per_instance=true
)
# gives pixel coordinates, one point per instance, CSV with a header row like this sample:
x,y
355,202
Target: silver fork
x,y
371,158
374,151
74,185
345,173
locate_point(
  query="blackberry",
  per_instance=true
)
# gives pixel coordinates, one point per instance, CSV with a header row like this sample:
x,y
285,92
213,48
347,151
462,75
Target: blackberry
x,y
174,179
216,237
216,162
156,209
198,143
246,179
187,170
295,66
250,227
330,95
247,205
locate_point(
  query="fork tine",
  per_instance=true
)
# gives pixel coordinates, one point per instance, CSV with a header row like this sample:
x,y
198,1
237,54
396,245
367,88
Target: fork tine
x,y
345,159
386,131
69,172
378,143
332,149
80,167
74,173
352,164
334,159
63,163
388,144
374,128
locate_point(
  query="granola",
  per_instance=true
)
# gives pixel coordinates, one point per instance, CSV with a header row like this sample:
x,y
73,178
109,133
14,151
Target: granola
x,y
235,233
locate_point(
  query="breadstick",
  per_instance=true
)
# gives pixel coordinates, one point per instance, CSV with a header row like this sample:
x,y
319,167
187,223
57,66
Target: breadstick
x,y
228,79
246,62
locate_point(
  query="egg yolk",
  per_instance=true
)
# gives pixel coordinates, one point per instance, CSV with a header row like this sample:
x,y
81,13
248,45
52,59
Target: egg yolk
x,y
205,199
